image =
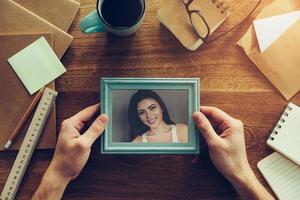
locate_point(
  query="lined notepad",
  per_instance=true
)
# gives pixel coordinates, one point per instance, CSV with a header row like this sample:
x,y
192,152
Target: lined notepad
x,y
285,138
282,175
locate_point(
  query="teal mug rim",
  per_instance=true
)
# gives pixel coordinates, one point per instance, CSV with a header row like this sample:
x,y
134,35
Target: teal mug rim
x,y
116,27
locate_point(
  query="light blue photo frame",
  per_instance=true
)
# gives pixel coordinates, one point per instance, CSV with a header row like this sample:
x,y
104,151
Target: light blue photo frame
x,y
112,86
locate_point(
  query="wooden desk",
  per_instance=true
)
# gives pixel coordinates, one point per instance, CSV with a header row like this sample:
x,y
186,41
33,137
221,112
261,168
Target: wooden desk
x,y
229,80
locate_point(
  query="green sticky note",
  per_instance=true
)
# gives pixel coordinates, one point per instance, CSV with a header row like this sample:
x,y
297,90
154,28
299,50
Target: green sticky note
x,y
37,65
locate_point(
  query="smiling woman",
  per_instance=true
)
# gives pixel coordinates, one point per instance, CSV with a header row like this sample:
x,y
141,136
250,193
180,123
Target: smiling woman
x,y
150,122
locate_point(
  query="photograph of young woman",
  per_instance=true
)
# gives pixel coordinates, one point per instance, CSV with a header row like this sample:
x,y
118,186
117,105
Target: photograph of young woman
x,y
150,122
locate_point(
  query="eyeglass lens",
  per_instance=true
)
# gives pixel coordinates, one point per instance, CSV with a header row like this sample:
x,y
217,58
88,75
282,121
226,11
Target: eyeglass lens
x,y
199,24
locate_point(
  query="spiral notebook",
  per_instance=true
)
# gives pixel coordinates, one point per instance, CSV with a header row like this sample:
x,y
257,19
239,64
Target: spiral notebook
x,y
282,175
285,138
174,16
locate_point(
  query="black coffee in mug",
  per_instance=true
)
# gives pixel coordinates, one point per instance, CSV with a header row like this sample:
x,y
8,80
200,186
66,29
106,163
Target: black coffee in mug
x,y
122,13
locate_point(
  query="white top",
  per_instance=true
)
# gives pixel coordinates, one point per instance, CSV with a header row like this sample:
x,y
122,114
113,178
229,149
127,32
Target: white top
x,y
173,132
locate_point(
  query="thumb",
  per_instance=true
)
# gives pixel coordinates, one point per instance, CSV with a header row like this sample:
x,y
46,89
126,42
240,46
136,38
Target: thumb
x,y
205,127
96,129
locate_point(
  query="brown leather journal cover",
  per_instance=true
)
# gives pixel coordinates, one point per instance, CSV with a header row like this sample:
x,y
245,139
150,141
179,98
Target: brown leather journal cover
x,y
14,97
15,19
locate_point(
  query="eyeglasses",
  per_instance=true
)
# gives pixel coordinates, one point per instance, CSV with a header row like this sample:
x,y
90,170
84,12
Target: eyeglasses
x,y
198,22
200,25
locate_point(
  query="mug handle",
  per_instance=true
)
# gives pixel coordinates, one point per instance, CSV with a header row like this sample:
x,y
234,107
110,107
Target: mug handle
x,y
92,23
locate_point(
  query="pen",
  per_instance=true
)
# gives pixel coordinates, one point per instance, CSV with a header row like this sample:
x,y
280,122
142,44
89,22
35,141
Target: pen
x,y
24,117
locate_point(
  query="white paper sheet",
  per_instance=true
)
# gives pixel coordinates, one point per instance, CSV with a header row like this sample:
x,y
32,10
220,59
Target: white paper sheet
x,y
269,29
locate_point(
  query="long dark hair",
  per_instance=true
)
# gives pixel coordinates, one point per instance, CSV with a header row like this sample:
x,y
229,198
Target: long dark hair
x,y
136,126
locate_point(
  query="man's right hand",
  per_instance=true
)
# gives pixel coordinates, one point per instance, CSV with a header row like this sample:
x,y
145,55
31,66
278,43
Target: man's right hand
x,y
227,150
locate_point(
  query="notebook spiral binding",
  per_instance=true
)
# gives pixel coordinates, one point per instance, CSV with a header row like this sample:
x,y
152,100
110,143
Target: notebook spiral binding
x,y
220,4
280,123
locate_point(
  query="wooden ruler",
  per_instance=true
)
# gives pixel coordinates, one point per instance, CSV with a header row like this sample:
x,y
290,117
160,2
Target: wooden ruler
x,y
27,148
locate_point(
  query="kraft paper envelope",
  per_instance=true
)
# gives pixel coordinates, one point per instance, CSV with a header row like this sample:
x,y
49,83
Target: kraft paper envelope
x,y
15,99
280,63
15,20
58,12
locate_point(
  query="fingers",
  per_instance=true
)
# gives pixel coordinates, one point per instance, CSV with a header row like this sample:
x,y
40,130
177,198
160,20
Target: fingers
x,y
95,130
85,114
205,127
216,115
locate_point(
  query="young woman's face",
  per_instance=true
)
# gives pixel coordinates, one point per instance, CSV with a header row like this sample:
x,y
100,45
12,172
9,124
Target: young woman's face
x,y
150,112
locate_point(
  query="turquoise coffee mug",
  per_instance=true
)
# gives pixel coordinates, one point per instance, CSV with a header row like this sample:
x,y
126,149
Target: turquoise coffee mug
x,y
119,17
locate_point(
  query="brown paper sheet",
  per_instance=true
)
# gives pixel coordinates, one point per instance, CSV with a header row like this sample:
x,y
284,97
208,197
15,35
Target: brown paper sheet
x,y
280,63
15,20
58,12
14,97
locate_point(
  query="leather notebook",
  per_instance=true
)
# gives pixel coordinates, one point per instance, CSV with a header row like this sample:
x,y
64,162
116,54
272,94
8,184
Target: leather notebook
x,y
14,97
174,16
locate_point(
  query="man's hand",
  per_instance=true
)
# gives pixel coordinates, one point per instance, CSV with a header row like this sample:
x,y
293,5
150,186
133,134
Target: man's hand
x,y
71,153
227,150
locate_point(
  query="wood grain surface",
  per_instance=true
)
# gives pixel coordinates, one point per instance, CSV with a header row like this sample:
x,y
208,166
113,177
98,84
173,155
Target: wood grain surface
x,y
229,80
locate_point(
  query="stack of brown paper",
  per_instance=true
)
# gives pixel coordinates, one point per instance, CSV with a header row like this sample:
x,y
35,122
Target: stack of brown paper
x,y
280,63
17,19
22,22
15,99
58,12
